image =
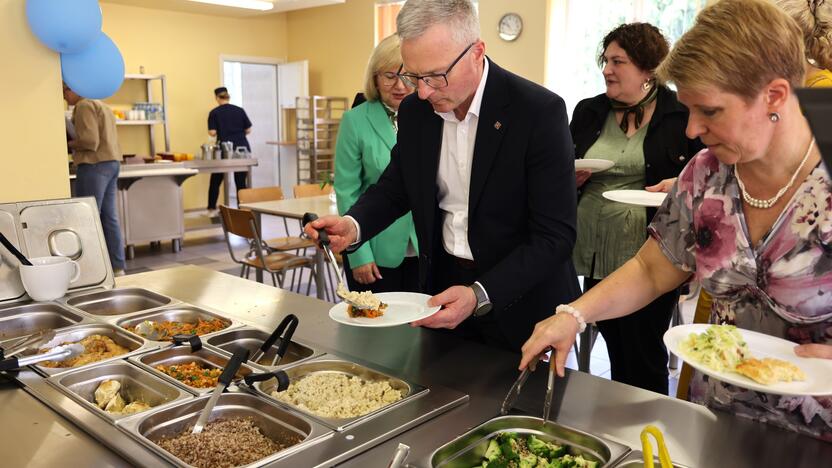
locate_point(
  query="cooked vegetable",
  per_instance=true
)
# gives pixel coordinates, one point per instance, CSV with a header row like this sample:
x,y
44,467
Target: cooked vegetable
x,y
511,450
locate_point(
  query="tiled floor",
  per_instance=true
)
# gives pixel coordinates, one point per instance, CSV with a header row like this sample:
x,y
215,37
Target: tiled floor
x,y
207,248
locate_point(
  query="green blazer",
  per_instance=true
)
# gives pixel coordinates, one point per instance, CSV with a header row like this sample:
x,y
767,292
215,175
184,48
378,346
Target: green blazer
x,y
362,153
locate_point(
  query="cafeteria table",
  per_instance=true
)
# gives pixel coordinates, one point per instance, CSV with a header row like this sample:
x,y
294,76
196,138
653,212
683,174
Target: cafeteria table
x,y
295,208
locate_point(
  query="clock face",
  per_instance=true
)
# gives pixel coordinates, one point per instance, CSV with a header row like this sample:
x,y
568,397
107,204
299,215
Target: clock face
x,y
510,26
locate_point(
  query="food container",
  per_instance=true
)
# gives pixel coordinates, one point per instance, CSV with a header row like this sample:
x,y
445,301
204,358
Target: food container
x,y
136,384
118,301
184,313
468,449
183,355
20,321
327,364
273,421
133,343
636,460
252,339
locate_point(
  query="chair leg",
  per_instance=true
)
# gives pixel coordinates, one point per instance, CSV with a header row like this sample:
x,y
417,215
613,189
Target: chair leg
x,y
242,271
274,279
309,283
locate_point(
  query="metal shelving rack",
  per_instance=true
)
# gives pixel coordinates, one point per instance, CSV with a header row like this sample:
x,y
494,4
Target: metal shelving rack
x,y
151,124
317,119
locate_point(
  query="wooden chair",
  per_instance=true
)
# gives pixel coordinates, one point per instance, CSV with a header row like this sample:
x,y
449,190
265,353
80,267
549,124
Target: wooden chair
x,y
242,223
280,244
311,190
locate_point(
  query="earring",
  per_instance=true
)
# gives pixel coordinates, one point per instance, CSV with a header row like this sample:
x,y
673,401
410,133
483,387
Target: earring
x,y
774,117
646,85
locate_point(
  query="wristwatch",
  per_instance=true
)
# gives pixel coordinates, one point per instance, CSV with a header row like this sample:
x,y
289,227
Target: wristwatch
x,y
484,305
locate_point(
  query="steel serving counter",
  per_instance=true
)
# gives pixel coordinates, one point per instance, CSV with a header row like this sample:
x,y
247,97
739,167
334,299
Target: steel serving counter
x,y
33,435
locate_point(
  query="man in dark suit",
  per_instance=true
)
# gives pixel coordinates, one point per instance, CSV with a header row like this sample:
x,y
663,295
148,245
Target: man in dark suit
x,y
484,160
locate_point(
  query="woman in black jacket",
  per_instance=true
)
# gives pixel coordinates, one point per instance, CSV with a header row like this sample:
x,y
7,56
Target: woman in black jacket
x,y
640,126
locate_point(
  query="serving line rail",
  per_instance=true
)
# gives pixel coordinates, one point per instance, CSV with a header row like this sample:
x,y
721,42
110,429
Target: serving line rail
x,y
695,435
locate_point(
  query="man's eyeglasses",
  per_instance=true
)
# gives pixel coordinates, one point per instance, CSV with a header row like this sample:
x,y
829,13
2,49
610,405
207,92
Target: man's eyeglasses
x,y
434,80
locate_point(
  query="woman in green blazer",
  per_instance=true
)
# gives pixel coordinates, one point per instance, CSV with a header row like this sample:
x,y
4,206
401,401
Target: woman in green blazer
x,y
389,261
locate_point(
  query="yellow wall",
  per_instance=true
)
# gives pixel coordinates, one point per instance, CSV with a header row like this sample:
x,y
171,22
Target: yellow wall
x,y
33,160
337,40
186,48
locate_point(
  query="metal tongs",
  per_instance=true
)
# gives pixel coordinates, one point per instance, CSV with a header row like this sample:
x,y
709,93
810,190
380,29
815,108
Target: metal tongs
x,y
287,325
517,387
33,341
239,357
323,241
58,353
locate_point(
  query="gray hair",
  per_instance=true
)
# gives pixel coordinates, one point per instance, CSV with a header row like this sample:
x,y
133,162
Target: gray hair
x,y
417,16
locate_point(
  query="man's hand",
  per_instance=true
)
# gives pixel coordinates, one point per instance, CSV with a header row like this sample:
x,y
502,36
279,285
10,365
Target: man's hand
x,y
458,302
581,176
663,186
367,273
814,350
341,231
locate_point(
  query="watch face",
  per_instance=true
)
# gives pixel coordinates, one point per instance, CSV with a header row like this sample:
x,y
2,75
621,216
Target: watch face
x,y
510,26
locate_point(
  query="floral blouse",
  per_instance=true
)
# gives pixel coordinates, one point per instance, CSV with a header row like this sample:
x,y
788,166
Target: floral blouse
x,y
781,287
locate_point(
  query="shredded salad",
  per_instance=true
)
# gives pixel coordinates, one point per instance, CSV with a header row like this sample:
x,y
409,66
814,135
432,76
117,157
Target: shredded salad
x,y
720,347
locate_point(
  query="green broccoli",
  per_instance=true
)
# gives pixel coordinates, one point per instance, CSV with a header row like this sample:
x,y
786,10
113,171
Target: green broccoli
x,y
493,450
506,436
500,462
537,446
566,461
528,461
510,449
582,462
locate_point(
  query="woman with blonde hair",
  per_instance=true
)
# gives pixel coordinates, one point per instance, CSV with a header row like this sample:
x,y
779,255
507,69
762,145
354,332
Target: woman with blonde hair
x,y
388,262
750,216
815,20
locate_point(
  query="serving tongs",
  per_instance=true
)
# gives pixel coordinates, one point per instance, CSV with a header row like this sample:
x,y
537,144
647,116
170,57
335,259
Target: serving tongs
x,y
323,241
517,387
34,341
228,373
282,336
58,353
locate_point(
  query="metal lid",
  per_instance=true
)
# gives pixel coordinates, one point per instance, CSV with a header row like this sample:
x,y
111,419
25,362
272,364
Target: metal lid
x,y
67,227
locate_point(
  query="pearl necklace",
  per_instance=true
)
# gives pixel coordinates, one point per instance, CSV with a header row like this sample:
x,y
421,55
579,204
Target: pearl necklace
x,y
765,204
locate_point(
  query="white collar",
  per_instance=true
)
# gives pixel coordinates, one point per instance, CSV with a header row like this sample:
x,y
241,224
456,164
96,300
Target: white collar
x,y
476,103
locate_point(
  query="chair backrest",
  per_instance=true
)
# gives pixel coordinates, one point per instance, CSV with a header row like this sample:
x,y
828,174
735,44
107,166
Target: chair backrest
x,y
238,222
311,190
259,194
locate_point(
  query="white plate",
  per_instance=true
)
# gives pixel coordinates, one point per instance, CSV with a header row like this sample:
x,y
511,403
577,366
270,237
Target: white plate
x,y
402,308
593,165
761,346
636,197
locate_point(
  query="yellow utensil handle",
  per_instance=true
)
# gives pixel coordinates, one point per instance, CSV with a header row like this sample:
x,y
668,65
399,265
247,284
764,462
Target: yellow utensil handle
x,y
647,447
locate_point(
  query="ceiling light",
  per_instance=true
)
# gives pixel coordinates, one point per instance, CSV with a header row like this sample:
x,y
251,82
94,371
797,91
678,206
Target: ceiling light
x,y
249,4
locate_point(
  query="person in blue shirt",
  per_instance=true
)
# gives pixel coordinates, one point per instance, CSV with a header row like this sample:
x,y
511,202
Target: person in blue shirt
x,y
227,122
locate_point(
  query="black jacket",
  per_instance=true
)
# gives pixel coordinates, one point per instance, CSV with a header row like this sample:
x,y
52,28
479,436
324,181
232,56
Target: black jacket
x,y
522,199
666,148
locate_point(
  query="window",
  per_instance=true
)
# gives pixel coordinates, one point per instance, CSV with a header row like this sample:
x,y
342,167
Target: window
x,y
576,28
386,18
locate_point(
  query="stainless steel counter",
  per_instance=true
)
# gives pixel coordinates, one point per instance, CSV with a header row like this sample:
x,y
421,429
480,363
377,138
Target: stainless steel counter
x,y
696,436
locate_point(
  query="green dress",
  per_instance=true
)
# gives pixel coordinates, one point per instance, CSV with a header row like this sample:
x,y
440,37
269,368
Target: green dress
x,y
608,231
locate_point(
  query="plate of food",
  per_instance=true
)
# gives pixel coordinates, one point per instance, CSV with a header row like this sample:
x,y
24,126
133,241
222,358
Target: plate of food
x,y
749,359
636,197
593,165
383,309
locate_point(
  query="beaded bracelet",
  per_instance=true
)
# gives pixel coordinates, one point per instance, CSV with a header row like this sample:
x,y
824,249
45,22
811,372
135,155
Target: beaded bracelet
x,y
568,309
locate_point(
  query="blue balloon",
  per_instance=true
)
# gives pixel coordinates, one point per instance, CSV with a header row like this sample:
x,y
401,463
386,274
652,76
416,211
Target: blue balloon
x,y
96,72
65,26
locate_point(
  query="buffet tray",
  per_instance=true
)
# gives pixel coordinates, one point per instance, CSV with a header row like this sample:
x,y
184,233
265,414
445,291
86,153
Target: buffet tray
x,y
136,384
272,420
119,302
252,338
181,355
19,321
135,344
468,449
178,313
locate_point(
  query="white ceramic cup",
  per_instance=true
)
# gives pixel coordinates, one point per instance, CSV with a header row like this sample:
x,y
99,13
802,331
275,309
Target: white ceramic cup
x,y
49,277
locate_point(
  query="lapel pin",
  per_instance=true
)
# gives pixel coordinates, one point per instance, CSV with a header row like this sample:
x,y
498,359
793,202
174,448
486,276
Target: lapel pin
x,y
497,125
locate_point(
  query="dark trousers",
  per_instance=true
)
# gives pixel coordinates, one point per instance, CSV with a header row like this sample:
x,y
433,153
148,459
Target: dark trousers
x,y
448,271
403,278
637,353
216,181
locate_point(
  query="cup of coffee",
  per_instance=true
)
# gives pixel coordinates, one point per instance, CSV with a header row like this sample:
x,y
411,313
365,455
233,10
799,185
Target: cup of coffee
x,y
48,278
